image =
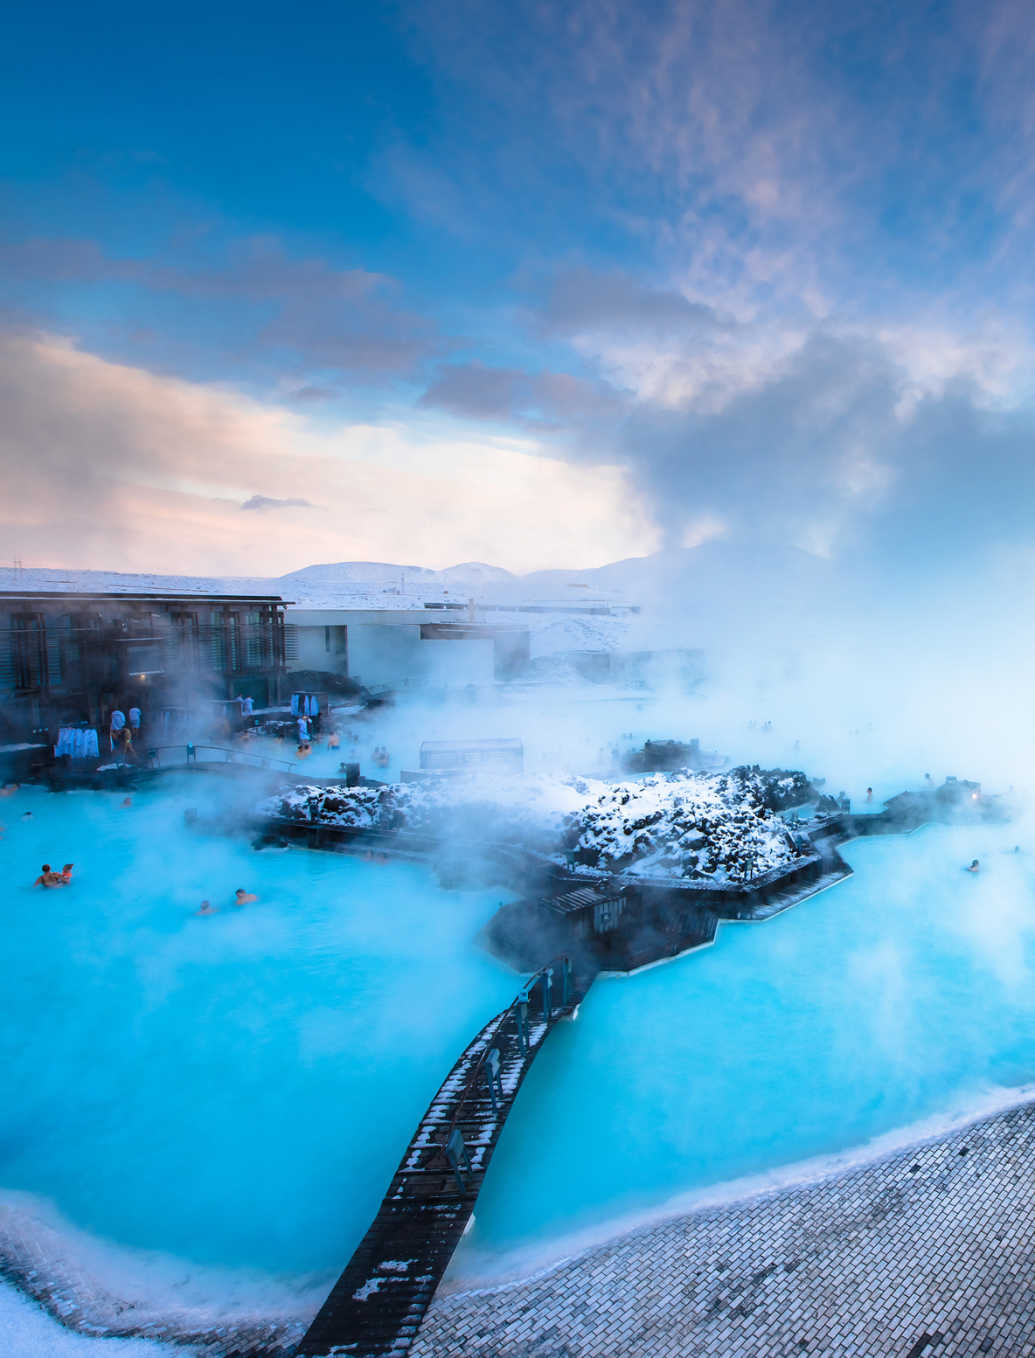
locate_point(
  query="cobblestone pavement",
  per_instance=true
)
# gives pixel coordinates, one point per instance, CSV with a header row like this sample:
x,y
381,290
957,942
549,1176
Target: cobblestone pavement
x,y
926,1254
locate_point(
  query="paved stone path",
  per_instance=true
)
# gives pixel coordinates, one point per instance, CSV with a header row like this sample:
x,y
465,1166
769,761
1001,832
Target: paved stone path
x,y
927,1254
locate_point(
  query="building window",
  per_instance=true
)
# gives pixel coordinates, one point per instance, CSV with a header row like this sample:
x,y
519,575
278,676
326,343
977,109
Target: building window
x,y
233,651
256,641
184,639
28,650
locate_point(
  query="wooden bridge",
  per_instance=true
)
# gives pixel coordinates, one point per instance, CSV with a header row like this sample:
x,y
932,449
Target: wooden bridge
x,y
377,1305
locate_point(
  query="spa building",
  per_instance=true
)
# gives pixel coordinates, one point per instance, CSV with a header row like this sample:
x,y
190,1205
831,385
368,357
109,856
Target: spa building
x,y
70,658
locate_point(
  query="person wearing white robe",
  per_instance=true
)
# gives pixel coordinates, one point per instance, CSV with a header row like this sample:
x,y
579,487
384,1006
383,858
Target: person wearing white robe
x,y
118,722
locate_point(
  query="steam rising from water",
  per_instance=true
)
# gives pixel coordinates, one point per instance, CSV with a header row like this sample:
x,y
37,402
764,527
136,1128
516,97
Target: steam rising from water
x,y
861,687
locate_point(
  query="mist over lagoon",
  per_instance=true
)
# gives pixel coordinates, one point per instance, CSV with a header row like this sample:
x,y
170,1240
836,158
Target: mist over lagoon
x,y
516,571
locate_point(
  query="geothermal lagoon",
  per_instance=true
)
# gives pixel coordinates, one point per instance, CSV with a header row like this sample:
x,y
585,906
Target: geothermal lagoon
x,y
234,1091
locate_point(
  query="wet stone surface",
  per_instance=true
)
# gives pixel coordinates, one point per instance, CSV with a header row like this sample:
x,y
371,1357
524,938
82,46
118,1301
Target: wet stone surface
x,y
926,1254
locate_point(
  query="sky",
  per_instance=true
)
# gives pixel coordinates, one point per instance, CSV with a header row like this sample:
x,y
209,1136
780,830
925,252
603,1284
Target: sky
x,y
546,285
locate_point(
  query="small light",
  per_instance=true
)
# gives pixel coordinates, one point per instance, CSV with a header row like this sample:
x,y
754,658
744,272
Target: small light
x,y
973,796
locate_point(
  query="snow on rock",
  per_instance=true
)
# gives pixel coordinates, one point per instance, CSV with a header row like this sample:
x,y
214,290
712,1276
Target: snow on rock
x,y
477,809
715,826
718,826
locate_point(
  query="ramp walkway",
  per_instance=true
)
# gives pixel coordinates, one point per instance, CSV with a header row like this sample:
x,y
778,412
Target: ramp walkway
x,y
377,1305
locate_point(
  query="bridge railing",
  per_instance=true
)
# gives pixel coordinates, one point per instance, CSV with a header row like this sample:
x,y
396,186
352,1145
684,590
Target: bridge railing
x,y
190,751
486,1070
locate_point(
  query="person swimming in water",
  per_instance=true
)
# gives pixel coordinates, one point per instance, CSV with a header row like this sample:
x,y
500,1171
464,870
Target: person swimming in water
x,y
9,789
126,801
869,794
973,866
206,908
66,873
242,897
48,877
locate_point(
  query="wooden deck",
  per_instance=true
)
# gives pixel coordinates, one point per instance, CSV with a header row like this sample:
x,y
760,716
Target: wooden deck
x,y
377,1305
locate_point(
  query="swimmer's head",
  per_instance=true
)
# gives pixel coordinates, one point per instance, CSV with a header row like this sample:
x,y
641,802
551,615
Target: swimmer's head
x,y
45,867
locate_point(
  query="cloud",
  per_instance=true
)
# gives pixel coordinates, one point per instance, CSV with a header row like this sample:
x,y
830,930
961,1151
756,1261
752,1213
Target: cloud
x,y
311,394
681,108
268,502
657,342
108,465
252,295
529,399
848,448
586,301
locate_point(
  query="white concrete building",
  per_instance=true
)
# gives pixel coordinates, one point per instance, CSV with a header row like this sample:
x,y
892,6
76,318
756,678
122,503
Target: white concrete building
x,y
432,646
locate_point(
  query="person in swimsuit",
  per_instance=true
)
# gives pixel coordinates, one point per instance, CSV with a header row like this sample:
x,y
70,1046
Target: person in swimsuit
x,y
206,908
242,897
973,866
48,877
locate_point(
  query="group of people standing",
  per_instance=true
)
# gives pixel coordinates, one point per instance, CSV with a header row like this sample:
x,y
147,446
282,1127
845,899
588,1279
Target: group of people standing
x,y
122,733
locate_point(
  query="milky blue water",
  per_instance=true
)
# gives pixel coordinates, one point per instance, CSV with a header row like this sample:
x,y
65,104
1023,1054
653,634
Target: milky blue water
x,y
896,996
238,1089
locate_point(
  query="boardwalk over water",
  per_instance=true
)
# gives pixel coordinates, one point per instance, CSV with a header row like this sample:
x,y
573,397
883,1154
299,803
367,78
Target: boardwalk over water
x,y
377,1305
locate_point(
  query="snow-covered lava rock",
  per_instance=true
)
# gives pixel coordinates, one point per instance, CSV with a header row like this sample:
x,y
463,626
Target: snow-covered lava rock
x,y
719,826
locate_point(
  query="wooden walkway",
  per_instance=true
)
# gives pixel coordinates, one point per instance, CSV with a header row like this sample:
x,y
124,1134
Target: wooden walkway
x,y
377,1305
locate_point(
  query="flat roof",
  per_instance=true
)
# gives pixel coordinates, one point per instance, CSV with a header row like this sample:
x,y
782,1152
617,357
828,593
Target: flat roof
x,y
582,898
131,595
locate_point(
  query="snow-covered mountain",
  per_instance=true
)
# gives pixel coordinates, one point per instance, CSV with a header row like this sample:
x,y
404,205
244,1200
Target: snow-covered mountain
x,y
348,577
374,572
690,597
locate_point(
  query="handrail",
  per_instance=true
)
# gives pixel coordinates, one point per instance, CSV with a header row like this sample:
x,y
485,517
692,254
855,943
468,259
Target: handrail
x,y
521,998
232,756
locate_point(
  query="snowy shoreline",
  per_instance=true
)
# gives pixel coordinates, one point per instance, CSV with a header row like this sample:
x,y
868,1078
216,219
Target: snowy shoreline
x,y
472,1272
97,1297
